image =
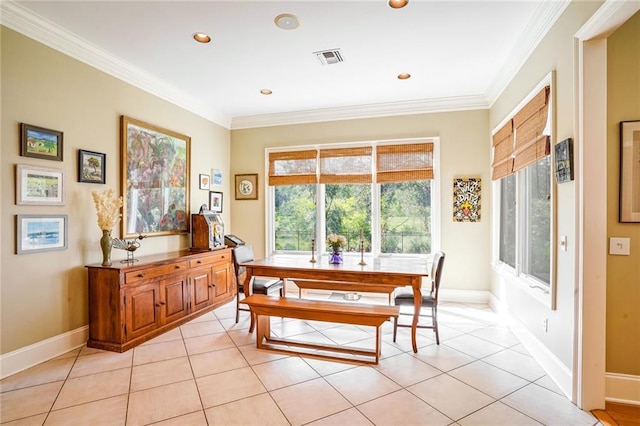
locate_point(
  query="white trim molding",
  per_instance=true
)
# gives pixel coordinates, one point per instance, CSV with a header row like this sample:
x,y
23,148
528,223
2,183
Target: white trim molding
x,y
28,356
622,388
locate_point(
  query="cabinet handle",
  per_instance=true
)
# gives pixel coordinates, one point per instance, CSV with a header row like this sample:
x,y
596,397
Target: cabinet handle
x,y
140,275
177,266
199,262
212,285
163,303
158,304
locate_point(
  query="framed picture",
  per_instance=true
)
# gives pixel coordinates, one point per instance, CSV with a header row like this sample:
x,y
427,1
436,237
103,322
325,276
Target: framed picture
x,y
205,181
466,199
37,233
215,201
564,160
630,171
41,186
155,180
39,142
247,187
91,167
216,177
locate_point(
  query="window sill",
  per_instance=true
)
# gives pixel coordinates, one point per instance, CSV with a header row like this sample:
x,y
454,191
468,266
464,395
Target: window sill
x,y
529,286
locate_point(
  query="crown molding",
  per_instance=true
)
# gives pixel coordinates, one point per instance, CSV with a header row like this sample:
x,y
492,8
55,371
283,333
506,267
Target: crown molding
x,y
545,17
461,103
22,20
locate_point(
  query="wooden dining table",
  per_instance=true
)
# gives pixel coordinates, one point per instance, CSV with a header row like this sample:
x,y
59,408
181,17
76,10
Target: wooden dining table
x,y
378,275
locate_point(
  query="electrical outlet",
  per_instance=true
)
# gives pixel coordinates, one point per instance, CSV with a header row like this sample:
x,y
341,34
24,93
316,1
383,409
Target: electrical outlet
x,y
545,324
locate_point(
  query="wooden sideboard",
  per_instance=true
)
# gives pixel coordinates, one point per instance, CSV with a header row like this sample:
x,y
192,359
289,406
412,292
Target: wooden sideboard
x,y
132,302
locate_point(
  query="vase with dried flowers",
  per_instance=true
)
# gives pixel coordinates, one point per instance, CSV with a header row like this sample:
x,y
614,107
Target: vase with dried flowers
x,y
336,242
108,209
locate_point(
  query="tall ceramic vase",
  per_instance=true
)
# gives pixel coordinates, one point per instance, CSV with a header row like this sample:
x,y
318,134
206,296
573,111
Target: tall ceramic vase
x,y
106,243
336,255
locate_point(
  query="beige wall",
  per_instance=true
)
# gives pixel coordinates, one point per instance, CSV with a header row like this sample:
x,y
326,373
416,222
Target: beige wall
x,y
623,272
555,52
464,139
45,294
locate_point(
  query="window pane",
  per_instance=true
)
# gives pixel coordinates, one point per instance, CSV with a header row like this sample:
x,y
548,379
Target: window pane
x,y
537,261
295,215
348,213
405,214
508,220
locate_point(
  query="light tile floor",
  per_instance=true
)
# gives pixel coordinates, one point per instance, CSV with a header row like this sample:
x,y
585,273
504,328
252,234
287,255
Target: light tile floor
x,y
208,372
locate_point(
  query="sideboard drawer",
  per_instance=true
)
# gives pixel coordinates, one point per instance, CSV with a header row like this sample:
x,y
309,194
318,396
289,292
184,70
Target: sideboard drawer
x,y
156,271
210,260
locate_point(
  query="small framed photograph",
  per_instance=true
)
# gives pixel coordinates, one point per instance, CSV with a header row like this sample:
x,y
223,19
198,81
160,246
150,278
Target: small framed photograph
x,y
41,186
91,167
216,177
38,233
564,160
205,182
247,186
215,201
39,142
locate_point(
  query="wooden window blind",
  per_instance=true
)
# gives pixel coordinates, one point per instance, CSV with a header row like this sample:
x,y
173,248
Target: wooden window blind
x,y
503,152
346,165
293,167
529,123
398,163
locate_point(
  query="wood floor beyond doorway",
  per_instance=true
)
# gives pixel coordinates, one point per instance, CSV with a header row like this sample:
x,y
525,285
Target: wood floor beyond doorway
x,y
618,415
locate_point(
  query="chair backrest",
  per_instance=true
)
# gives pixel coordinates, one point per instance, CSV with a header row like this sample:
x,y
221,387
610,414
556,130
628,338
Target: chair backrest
x,y
242,254
436,273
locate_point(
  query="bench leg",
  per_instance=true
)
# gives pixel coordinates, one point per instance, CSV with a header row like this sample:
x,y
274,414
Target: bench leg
x,y
263,330
378,344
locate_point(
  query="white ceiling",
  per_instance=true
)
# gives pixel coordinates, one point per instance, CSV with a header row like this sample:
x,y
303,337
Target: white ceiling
x,y
460,54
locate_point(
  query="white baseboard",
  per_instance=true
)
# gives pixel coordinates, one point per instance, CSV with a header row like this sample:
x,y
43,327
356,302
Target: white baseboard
x,y
561,375
464,296
23,358
622,388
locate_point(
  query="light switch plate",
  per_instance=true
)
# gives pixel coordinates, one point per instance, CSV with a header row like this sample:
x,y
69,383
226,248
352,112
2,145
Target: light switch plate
x,y
620,246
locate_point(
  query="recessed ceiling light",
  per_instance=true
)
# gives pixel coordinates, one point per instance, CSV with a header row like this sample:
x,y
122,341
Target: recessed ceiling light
x,y
201,38
404,76
266,92
398,4
287,21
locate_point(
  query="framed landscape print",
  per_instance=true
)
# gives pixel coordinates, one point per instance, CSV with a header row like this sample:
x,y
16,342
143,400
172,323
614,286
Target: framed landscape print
x,y
37,233
39,142
630,171
155,179
247,187
39,185
91,167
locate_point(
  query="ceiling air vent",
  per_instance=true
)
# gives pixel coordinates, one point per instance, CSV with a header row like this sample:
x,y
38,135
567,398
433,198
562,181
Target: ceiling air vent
x,y
329,57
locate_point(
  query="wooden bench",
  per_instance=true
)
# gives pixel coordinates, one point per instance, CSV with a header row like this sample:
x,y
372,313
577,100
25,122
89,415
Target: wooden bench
x,y
264,307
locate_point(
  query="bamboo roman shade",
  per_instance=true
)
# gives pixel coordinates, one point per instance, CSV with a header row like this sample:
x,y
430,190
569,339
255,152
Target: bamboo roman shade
x,y
502,151
293,167
521,141
529,123
346,165
398,163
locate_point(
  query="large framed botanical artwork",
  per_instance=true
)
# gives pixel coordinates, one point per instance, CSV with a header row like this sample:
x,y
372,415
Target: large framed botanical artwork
x,y
630,171
155,179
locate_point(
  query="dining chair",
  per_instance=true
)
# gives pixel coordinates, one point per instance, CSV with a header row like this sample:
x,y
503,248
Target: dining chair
x,y
259,285
404,297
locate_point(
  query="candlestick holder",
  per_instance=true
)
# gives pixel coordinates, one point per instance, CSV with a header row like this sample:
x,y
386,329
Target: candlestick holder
x,y
313,251
362,262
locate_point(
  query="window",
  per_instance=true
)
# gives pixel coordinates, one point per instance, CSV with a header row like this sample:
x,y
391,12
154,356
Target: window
x,y
522,171
387,202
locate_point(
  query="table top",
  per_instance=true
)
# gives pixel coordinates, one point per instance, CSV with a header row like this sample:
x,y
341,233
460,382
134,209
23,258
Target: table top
x,y
412,266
